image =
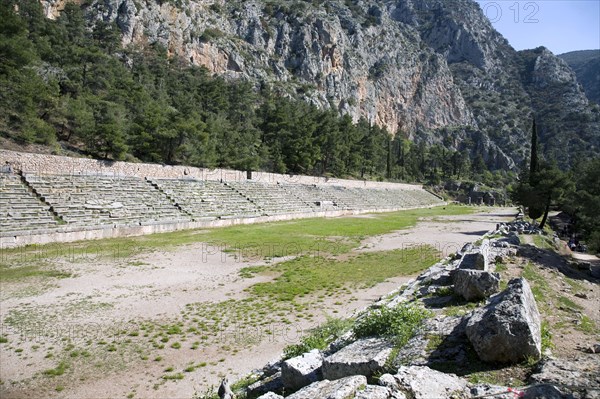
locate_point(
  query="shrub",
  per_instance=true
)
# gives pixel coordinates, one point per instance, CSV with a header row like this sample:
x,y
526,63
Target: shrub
x,y
319,337
400,323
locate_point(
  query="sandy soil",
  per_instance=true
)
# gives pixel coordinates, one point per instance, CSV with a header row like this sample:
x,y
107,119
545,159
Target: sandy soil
x,y
105,299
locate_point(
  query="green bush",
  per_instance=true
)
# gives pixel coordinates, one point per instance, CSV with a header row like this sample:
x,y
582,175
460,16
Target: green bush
x,y
319,337
400,323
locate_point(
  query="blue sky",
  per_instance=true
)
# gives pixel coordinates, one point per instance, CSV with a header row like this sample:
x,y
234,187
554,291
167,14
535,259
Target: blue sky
x,y
560,25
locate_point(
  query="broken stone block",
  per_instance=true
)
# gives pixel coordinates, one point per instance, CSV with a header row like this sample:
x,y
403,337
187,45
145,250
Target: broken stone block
x,y
302,370
421,382
363,357
340,389
474,285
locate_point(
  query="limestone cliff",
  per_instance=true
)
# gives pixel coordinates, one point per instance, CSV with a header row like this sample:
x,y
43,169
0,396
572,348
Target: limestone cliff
x,y
586,65
434,69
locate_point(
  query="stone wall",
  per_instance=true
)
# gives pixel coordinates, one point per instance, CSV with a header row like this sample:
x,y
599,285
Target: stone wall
x,y
52,164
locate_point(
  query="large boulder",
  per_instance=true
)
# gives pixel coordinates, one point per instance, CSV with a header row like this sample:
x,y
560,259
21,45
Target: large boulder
x,y
508,329
363,357
420,382
302,370
343,388
474,285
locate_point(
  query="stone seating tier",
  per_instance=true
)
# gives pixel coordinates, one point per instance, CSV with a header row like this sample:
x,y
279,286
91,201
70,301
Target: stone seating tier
x,y
20,209
89,200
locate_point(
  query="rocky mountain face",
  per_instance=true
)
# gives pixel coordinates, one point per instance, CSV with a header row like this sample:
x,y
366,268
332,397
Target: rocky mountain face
x,y
432,70
586,65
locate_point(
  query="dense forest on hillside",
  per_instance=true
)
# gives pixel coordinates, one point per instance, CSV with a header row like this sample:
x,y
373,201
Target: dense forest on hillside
x,y
64,85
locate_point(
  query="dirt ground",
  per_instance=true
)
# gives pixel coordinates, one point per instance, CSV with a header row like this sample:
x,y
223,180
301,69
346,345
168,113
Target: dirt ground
x,y
112,304
568,298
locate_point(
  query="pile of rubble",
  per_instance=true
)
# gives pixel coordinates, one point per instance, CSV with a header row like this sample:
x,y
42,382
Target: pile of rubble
x,y
506,329
518,226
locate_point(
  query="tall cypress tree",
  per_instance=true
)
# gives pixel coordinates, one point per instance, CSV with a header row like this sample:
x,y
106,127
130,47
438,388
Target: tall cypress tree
x,y
535,202
533,163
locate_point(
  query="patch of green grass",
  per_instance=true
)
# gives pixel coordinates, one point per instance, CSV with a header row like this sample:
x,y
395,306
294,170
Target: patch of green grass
x,y
137,263
319,337
484,377
176,345
266,240
501,267
575,285
587,325
546,337
433,342
58,370
542,242
3,339
306,275
249,272
244,383
400,323
539,285
459,307
303,236
59,388
444,291
173,329
176,376
9,274
568,304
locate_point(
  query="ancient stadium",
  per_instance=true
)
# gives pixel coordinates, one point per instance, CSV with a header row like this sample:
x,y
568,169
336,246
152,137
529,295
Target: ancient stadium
x,y
144,280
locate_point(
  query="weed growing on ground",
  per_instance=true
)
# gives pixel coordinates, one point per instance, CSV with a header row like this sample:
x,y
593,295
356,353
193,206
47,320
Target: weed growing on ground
x,y
539,285
319,337
58,370
400,323
587,325
542,242
546,337
176,376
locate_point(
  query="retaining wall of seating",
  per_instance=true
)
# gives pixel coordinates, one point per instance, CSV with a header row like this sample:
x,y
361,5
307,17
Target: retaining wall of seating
x,y
53,164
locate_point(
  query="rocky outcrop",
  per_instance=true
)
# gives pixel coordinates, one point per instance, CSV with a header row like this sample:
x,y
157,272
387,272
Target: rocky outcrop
x,y
586,65
475,285
363,357
508,328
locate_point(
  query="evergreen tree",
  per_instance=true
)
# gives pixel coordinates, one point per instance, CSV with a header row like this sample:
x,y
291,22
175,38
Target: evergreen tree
x,y
533,160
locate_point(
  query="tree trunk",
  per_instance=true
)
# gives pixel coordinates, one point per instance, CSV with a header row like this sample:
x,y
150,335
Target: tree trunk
x,y
543,222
